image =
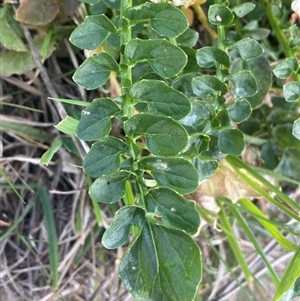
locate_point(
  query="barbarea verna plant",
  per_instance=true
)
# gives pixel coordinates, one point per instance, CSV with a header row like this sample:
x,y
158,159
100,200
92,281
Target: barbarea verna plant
x,y
178,124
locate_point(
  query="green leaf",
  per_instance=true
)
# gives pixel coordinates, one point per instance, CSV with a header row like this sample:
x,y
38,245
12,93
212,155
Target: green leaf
x,y
249,49
164,135
189,38
162,264
269,154
208,84
220,15
92,32
208,57
290,283
110,188
245,83
176,173
113,4
166,19
104,157
68,125
205,166
48,155
285,68
166,59
118,231
283,134
240,110
95,119
95,71
91,2
243,9
160,98
296,129
10,33
231,142
291,91
201,111
261,70
290,162
173,209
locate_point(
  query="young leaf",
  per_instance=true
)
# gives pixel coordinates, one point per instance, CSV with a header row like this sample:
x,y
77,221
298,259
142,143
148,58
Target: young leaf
x,y
95,119
92,32
176,173
174,210
231,142
208,56
165,136
249,49
95,71
103,158
162,264
110,188
189,38
208,84
220,15
290,283
166,19
118,231
243,9
245,83
160,98
166,59
240,110
286,68
291,91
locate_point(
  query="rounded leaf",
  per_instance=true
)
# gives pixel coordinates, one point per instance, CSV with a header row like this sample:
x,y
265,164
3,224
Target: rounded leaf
x,y
109,189
220,15
296,129
95,119
208,57
176,173
245,83
95,71
104,157
208,84
165,136
291,91
92,32
174,210
160,98
240,110
231,142
285,68
249,49
166,59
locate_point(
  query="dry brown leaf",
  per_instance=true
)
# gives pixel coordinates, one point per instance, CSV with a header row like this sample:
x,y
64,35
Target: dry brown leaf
x,y
226,183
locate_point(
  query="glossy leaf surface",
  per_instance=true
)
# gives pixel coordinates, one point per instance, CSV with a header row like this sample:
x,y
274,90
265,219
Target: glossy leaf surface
x,y
208,84
249,49
245,84
118,231
103,158
110,188
92,32
176,173
285,68
231,142
162,264
95,119
240,110
160,98
165,136
160,54
211,56
220,15
166,19
95,71
291,91
173,209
